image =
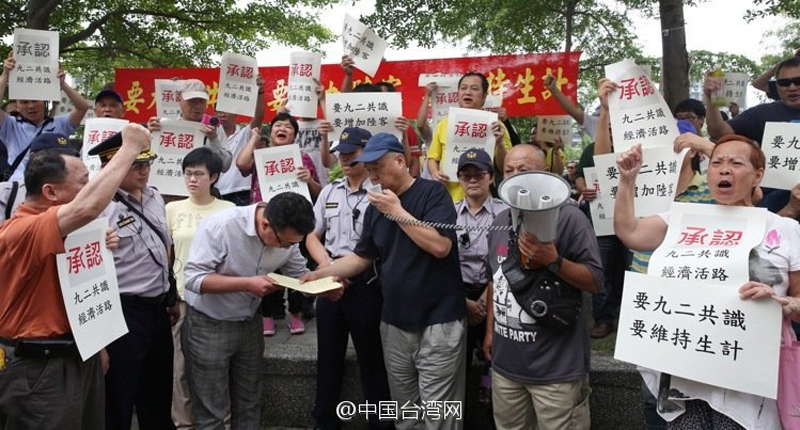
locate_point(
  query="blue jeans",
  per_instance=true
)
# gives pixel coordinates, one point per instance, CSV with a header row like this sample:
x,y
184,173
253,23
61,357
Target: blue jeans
x,y
616,260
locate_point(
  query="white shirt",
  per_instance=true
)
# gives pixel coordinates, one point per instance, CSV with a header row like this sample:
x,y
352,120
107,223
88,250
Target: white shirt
x,y
232,181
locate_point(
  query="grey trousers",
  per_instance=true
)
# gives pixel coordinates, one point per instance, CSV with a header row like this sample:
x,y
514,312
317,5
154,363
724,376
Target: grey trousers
x,y
51,394
223,364
427,374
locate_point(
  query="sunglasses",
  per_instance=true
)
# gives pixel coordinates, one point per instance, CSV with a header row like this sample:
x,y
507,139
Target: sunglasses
x,y
785,82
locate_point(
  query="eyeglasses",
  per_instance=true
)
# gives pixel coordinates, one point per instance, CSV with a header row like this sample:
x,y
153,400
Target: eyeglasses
x,y
785,82
688,117
196,174
467,177
281,243
139,165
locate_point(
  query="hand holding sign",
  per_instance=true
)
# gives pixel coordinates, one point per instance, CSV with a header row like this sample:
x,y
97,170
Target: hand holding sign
x,y
629,163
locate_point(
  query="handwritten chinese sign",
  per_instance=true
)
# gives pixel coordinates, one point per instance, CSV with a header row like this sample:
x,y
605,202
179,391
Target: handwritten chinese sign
x,y
166,97
175,139
709,243
655,185
602,212
781,145
96,131
302,98
35,76
702,332
735,88
445,96
361,43
375,112
548,128
277,171
637,110
238,91
466,129
89,287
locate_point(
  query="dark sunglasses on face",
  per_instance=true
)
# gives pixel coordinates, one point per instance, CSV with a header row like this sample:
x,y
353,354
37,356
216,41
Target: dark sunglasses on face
x,y
785,82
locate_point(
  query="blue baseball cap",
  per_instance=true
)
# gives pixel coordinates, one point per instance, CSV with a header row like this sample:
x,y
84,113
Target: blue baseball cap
x,y
476,157
49,141
108,93
684,126
351,140
378,146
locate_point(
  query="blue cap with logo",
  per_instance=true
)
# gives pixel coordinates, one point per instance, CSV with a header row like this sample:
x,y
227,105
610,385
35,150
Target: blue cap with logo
x,y
351,140
108,93
378,146
476,157
49,141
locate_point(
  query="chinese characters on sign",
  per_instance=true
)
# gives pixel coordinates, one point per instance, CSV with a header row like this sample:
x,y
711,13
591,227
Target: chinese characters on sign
x,y
548,128
735,88
466,129
445,96
89,288
277,171
602,212
302,97
709,243
35,76
237,91
637,110
702,332
375,112
96,131
166,98
361,43
781,145
308,139
175,139
655,185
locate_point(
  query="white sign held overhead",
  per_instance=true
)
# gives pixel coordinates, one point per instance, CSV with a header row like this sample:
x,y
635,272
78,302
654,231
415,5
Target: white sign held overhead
x,y
375,112
466,129
89,287
171,144
303,70
167,103
548,128
35,77
238,91
637,110
363,44
96,131
276,168
781,145
602,212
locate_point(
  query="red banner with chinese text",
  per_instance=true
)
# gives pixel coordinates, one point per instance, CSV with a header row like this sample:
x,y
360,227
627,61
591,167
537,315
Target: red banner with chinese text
x,y
519,78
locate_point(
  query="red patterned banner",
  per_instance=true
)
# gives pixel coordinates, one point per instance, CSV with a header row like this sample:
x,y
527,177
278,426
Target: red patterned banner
x,y
519,78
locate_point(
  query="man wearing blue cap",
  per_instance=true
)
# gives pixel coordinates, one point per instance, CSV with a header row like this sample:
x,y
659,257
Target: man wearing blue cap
x,y
108,104
339,213
12,193
422,319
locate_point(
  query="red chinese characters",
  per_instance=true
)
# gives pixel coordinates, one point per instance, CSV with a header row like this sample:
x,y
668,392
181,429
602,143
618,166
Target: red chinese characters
x,y
84,258
698,236
635,87
240,71
282,166
471,129
180,140
302,70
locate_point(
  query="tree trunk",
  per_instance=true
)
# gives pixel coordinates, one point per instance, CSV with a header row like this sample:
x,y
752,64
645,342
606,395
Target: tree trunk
x,y
675,68
38,13
569,15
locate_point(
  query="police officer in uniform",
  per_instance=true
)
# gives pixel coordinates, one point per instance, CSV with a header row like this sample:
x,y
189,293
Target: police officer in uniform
x,y
339,214
140,371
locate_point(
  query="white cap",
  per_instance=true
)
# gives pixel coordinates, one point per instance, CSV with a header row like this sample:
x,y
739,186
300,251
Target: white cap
x,y
193,89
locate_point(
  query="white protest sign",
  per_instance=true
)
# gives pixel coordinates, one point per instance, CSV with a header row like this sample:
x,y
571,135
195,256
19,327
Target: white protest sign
x,y
309,139
493,101
637,110
466,129
443,99
175,139
238,91
276,168
442,80
655,185
735,88
35,76
702,332
89,286
96,131
375,112
302,98
167,104
548,128
781,145
361,43
602,213
709,243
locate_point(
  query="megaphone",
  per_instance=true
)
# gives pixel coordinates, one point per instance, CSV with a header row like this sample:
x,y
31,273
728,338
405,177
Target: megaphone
x,y
535,199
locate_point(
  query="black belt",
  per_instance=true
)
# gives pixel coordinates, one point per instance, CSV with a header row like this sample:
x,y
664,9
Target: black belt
x,y
152,301
474,291
42,347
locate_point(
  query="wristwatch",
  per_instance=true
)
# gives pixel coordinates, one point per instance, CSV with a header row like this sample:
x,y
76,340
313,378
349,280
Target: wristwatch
x,y
555,266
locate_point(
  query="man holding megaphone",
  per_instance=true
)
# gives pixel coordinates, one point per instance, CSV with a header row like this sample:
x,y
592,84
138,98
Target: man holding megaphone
x,y
536,331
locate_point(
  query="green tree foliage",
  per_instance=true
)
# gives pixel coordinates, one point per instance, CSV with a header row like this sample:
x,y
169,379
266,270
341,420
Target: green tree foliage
x,y
765,8
96,36
701,61
788,44
602,32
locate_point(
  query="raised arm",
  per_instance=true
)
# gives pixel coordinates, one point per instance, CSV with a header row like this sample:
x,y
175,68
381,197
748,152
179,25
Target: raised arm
x,y
258,115
568,105
81,105
602,145
8,65
95,196
245,159
422,115
717,127
639,234
347,66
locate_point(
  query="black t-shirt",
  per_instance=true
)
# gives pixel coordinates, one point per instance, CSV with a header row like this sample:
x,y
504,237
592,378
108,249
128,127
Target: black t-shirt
x,y
419,289
751,122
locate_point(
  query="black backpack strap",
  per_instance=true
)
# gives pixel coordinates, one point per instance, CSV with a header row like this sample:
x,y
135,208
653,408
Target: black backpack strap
x,y
11,198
